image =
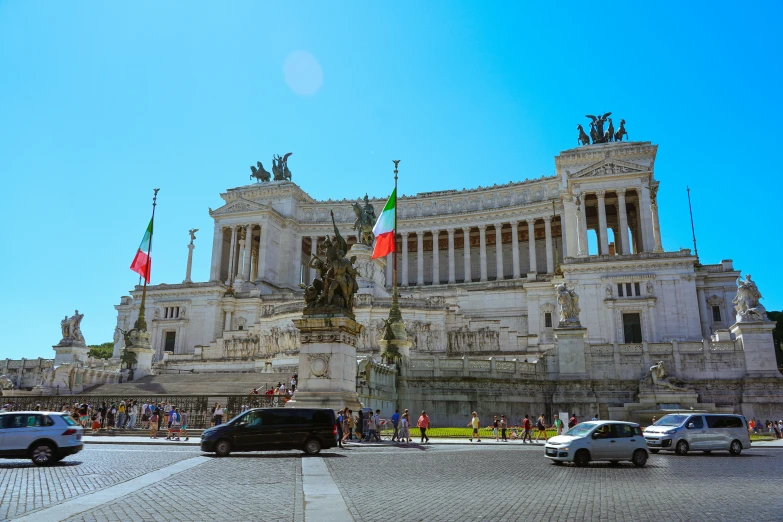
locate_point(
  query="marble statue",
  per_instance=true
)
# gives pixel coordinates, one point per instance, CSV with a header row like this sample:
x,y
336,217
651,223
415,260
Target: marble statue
x,y
70,328
656,375
569,306
6,383
747,301
365,221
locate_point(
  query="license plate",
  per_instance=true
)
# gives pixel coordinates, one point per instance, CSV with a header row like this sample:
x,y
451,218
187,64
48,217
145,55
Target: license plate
x,y
551,452
653,443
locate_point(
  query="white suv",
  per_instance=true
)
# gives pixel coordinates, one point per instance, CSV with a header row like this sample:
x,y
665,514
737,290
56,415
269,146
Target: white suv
x,y
44,437
599,440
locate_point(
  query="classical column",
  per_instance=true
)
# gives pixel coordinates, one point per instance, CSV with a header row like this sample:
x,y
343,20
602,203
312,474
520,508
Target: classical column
x,y
254,264
466,253
248,248
231,251
645,220
581,225
498,251
227,324
420,258
404,237
435,257
515,249
656,225
191,246
568,227
313,251
483,250
217,254
531,244
240,254
550,256
623,223
263,239
603,237
452,272
296,276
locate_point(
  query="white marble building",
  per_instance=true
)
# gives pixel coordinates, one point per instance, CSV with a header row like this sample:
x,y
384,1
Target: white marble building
x,y
493,297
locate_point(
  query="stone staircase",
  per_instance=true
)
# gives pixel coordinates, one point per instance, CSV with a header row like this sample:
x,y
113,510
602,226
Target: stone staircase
x,y
213,384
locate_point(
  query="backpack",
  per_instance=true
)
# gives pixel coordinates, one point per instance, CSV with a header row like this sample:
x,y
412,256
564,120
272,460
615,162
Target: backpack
x,y
539,424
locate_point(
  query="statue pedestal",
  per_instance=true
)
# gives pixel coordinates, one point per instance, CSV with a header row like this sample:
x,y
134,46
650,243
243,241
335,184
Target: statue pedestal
x,y
758,348
67,352
327,363
140,345
571,352
372,272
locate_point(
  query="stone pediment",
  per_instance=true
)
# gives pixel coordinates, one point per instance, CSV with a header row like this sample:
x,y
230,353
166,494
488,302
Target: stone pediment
x,y
236,207
608,167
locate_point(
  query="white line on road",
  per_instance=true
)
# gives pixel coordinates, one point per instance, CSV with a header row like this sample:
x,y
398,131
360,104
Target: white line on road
x,y
83,503
323,501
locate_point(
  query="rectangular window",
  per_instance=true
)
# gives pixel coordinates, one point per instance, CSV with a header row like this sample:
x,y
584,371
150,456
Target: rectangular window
x,y
723,421
716,314
619,289
171,338
632,328
628,291
637,289
548,320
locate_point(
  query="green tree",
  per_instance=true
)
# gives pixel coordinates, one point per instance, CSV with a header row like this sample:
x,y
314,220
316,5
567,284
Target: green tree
x,y
101,351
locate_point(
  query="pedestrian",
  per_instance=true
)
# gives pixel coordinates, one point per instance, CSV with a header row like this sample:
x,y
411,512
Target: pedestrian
x,y
360,426
121,415
134,412
396,423
495,428
183,429
347,418
541,427
558,425
96,423
475,424
218,415
405,430
375,426
595,417
503,426
161,413
339,422
424,424
154,424
110,416
526,429
351,424
572,421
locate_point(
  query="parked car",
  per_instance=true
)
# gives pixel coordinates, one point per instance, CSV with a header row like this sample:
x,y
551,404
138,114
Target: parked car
x,y
705,432
273,429
599,440
44,437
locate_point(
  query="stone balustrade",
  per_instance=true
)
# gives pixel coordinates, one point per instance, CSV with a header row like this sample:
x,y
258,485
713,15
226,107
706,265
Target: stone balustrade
x,y
491,367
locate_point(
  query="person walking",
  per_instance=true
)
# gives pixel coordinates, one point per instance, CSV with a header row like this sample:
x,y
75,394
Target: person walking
x,y
405,430
573,421
495,428
183,430
423,424
134,412
121,415
396,423
503,427
154,425
339,424
346,419
558,425
526,429
475,423
372,426
541,427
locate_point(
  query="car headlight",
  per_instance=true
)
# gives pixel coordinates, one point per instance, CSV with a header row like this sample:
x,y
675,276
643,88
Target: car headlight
x,y
564,448
671,432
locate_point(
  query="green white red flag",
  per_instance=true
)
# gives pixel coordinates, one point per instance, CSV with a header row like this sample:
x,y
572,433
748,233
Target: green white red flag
x,y
142,263
385,229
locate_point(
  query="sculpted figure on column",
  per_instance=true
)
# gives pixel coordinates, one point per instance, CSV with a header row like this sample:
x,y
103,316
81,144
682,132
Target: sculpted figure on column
x,y
365,221
70,327
747,301
569,306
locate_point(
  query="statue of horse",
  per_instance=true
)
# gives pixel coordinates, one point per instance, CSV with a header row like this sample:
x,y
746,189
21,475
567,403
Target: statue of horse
x,y
594,133
609,136
260,173
618,136
583,138
363,225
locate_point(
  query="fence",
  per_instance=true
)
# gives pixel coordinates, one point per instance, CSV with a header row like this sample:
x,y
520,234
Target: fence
x,y
198,407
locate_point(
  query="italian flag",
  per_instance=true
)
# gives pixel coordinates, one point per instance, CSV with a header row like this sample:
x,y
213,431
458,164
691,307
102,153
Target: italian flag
x,y
385,229
142,263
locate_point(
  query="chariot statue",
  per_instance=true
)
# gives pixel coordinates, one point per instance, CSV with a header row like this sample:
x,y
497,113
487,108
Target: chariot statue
x,y
260,173
280,167
365,221
747,301
597,134
568,301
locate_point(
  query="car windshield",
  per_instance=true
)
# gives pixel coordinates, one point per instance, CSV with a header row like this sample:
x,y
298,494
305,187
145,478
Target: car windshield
x,y
671,420
580,430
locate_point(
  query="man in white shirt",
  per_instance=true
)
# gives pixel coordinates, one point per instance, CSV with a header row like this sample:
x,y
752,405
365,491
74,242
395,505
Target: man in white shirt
x,y
282,389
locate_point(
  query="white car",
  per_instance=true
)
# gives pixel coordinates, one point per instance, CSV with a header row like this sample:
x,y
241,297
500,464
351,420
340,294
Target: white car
x,y
599,440
699,432
43,437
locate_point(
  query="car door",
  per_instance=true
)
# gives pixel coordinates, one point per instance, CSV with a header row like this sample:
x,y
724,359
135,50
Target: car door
x,y
22,430
696,433
626,441
3,419
603,443
248,431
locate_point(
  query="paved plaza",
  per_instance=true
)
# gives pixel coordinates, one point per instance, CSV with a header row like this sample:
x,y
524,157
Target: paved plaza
x,y
376,483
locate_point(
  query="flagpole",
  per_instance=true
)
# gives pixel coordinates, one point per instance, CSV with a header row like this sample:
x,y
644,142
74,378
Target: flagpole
x,y
394,314
693,229
141,322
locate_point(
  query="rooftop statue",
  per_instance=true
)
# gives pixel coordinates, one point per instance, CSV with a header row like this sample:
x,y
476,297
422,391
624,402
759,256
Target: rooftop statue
x,y
192,233
70,328
260,173
280,167
365,221
569,306
597,134
747,301
332,292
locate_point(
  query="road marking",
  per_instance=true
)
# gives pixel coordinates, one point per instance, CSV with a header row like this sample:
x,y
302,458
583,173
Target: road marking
x,y
84,503
323,501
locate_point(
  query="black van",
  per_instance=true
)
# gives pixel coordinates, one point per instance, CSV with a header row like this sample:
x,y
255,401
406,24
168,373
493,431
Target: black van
x,y
273,429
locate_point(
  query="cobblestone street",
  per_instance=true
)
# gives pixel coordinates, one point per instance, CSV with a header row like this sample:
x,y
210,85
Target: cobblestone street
x,y
434,482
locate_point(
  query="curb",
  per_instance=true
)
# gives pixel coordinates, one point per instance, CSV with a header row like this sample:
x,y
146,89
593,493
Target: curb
x,y
143,443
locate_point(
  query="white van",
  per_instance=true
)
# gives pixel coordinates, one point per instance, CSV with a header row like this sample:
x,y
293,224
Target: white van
x,y
705,432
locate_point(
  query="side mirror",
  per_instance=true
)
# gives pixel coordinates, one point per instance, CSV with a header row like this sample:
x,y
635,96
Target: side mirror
x,y
691,426
596,435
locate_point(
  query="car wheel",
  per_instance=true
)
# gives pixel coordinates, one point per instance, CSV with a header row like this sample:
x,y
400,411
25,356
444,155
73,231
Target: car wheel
x,y
654,451
222,448
312,447
735,448
639,458
582,458
42,454
681,448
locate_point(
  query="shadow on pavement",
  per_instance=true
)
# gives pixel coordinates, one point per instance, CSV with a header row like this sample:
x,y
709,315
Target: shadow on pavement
x,y
23,464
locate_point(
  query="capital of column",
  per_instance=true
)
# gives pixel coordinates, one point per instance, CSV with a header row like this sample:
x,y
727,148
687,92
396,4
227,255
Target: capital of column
x,y
450,231
600,194
466,230
404,235
482,228
620,193
547,219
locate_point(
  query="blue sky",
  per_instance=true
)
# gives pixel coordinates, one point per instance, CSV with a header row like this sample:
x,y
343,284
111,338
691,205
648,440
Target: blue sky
x,y
103,101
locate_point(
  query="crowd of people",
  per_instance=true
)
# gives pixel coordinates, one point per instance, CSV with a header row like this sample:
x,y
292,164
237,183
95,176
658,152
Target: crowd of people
x,y
771,427
366,426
